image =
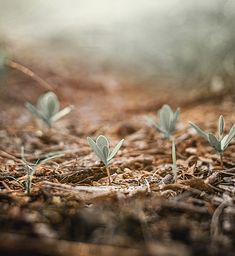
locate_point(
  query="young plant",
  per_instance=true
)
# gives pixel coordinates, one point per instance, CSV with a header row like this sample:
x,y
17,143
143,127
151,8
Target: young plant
x,y
219,142
47,109
31,169
167,125
167,121
103,152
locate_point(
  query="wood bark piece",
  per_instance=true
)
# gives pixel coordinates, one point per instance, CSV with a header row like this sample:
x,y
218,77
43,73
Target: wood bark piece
x,y
87,193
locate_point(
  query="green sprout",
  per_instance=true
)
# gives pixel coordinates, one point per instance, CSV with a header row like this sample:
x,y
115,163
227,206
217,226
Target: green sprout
x,y
103,152
168,120
47,109
219,142
31,168
166,126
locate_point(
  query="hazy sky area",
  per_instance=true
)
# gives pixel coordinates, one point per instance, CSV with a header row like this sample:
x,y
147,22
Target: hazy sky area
x,y
24,15
153,37
42,19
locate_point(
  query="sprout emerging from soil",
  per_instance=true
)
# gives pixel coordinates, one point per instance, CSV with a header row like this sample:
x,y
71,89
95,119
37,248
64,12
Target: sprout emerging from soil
x,y
103,152
168,120
166,126
219,142
31,168
47,109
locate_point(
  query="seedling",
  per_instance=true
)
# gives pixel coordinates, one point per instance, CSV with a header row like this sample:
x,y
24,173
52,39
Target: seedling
x,y
103,152
168,120
31,168
47,109
219,142
167,126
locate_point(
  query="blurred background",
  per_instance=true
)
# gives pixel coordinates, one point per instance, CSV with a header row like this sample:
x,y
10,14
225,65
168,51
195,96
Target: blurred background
x,y
179,42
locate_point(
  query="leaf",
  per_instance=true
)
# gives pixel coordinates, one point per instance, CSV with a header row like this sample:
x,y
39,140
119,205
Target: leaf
x,y
61,113
106,154
175,117
230,137
115,150
102,141
48,104
223,141
199,131
152,123
31,108
221,126
214,142
40,162
97,151
165,114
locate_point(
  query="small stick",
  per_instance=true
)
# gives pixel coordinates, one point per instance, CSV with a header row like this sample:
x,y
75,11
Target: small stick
x,y
30,73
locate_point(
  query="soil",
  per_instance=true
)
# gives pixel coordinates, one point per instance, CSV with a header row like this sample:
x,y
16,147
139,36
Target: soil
x,y
71,209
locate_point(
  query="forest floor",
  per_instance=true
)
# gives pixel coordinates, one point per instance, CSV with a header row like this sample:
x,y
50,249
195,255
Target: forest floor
x,y
71,209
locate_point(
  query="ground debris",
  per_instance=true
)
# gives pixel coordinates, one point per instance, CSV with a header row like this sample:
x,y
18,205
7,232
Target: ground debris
x,y
71,210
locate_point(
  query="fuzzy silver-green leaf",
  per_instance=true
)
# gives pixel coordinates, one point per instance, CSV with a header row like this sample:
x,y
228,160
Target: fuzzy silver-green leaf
x,y
165,114
199,131
37,113
153,124
48,104
61,113
215,143
115,150
231,136
96,150
105,151
174,120
221,126
223,142
102,141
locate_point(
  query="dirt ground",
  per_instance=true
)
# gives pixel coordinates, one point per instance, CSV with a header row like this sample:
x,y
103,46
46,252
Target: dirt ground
x,y
72,211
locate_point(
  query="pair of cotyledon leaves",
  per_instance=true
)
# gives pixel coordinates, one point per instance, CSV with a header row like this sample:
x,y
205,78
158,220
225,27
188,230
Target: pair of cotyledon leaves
x,y
48,108
219,142
168,119
102,150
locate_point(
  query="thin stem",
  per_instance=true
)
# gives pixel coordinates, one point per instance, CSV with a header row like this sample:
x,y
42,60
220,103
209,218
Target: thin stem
x,y
108,173
221,161
173,154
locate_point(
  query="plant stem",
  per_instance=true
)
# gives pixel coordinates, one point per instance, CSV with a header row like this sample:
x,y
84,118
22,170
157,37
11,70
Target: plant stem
x,y
174,165
221,161
108,173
